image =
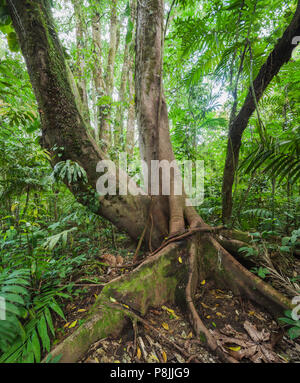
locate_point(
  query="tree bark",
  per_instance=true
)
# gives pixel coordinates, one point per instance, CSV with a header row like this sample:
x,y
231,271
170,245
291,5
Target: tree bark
x,y
279,56
97,69
64,132
105,125
130,130
163,276
127,60
80,65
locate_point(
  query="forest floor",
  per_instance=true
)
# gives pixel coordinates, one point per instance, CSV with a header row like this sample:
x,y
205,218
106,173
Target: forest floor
x,y
242,329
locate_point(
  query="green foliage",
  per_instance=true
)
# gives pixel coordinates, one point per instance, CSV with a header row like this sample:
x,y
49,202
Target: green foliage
x,y
262,272
25,330
54,239
7,29
48,240
289,243
280,157
294,330
14,289
69,171
248,251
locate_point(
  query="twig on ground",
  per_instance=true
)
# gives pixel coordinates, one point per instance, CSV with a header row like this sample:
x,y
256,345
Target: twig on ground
x,y
131,313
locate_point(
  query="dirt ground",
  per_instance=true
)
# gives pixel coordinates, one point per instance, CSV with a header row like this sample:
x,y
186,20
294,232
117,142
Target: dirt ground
x,y
242,329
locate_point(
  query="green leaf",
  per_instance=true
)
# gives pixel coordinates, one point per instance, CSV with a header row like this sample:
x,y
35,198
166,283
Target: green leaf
x,y
11,308
14,289
287,320
49,321
43,333
129,32
294,332
285,249
36,346
55,307
13,298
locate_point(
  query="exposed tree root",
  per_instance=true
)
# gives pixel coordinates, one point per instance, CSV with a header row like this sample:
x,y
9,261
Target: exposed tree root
x,y
195,320
164,278
159,279
133,315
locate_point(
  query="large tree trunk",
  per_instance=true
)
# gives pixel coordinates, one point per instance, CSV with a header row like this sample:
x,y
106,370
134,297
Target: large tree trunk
x,y
163,278
278,57
64,132
152,114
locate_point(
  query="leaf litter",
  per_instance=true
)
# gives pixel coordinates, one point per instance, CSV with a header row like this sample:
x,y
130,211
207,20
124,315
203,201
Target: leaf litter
x,y
242,330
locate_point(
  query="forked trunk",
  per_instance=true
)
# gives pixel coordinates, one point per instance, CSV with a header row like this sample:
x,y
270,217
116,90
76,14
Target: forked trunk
x,y
163,277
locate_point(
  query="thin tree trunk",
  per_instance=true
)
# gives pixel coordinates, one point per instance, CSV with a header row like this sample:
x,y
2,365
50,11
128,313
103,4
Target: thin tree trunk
x,y
105,126
118,132
97,70
80,67
130,130
126,69
278,57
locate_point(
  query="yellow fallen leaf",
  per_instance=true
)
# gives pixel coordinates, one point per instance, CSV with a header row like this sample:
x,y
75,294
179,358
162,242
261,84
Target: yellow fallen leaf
x,y
165,326
190,335
170,311
220,315
73,324
138,353
235,348
208,317
67,324
205,306
164,355
127,307
112,299
81,310
251,312
167,309
203,282
180,260
152,356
